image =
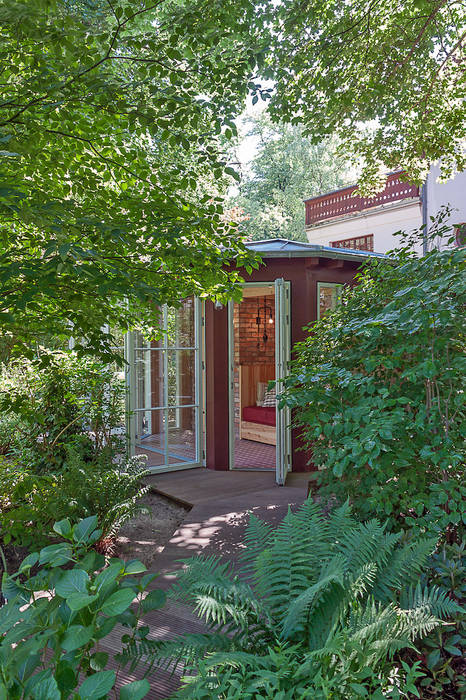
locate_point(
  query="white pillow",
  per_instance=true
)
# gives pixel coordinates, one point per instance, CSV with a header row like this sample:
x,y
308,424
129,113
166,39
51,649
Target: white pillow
x,y
270,399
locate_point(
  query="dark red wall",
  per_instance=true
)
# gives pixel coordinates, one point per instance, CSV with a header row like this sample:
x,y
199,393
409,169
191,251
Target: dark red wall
x,y
303,274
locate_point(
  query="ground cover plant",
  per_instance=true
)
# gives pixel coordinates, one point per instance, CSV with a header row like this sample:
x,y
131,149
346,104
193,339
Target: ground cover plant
x,y
318,608
64,448
49,644
56,401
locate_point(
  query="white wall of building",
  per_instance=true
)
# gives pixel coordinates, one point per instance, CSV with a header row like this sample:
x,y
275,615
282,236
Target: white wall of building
x,y
382,222
451,193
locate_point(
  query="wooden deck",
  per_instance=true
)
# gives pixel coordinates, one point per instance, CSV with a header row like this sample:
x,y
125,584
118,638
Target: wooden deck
x,y
220,506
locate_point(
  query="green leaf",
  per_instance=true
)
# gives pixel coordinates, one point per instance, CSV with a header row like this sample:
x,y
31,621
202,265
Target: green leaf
x,y
76,636
97,686
29,562
118,602
74,581
135,690
63,527
134,567
99,660
154,600
78,601
43,686
83,530
56,554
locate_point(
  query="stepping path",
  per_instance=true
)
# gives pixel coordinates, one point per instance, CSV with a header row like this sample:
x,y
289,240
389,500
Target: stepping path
x,y
220,506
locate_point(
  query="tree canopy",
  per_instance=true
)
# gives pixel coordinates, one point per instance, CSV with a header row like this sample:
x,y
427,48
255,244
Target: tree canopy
x,y
111,169
386,77
286,169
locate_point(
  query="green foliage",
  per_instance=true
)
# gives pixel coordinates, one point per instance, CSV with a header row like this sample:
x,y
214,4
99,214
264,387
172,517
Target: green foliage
x,y
286,169
112,116
330,596
376,388
57,402
30,502
386,78
49,642
442,653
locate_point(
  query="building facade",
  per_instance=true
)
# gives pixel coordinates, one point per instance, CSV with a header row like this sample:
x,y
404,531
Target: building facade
x,y
342,219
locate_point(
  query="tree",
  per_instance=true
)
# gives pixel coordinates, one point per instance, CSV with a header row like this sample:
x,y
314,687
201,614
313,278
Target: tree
x,y
386,77
111,172
286,169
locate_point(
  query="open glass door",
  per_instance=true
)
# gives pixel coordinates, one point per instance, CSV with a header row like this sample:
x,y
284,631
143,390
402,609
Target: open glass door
x,y
165,390
282,358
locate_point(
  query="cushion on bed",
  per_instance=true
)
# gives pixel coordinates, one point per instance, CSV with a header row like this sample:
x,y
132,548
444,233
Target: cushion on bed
x,y
259,414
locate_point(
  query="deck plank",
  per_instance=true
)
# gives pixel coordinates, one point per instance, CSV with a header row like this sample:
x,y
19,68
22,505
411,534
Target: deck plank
x,y
221,503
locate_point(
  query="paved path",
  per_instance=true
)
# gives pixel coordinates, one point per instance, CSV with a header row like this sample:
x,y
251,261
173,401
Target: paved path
x,y
221,502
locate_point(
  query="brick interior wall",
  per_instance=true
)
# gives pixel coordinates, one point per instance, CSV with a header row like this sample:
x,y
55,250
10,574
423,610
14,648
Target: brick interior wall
x,y
250,338
246,337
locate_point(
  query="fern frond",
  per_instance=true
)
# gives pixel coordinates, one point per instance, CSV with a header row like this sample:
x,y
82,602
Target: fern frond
x,y
361,545
197,569
433,599
300,609
185,651
403,568
340,521
256,539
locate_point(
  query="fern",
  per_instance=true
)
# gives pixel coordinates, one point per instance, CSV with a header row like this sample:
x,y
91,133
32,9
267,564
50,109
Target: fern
x,y
331,586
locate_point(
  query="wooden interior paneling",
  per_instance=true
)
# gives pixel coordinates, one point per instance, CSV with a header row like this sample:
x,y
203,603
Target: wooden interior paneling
x,y
249,376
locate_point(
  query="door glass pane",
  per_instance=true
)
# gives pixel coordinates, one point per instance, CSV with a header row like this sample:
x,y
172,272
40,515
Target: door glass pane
x,y
149,377
150,436
180,325
182,435
181,377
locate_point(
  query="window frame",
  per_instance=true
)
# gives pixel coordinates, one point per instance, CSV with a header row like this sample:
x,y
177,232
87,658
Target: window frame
x,y
333,285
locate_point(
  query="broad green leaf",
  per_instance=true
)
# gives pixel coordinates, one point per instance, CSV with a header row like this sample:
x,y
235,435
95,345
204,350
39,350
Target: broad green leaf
x,y
63,527
135,567
154,600
76,636
97,686
117,602
135,690
74,581
83,530
78,601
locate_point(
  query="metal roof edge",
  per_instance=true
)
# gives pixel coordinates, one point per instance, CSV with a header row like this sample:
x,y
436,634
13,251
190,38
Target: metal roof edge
x,y
310,250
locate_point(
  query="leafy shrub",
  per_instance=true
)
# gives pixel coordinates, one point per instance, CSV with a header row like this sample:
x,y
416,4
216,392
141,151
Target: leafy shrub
x,y
59,400
336,595
47,643
30,502
377,391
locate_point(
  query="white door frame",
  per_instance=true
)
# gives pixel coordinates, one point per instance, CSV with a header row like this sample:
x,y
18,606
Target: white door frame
x,y
282,356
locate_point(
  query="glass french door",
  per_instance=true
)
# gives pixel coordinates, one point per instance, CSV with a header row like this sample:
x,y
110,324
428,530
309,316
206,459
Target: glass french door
x,y
282,358
165,390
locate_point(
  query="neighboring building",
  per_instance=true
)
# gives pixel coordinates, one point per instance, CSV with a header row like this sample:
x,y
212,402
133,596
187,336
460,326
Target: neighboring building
x,y
342,219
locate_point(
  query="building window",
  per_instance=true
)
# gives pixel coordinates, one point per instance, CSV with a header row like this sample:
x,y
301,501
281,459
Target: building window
x,y
328,296
358,243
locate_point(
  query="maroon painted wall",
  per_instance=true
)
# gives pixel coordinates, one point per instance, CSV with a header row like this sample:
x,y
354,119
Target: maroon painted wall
x,y
303,274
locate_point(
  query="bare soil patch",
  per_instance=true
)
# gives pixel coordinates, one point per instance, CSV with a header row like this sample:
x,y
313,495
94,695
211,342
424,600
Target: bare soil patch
x,y
145,536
